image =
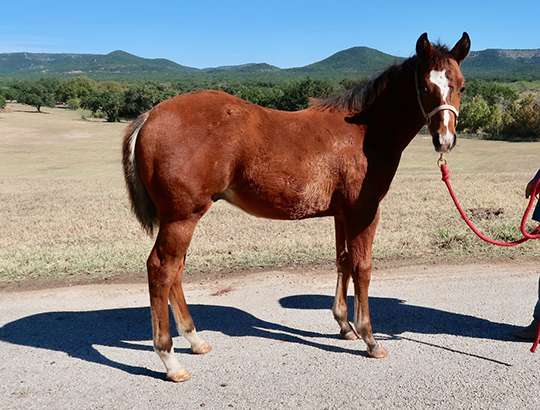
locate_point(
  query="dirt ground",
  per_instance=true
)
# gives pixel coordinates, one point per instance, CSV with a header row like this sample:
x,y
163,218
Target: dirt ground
x,y
448,329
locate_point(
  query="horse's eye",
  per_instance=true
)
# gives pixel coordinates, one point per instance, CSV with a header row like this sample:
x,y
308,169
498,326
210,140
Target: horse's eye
x,y
425,89
462,90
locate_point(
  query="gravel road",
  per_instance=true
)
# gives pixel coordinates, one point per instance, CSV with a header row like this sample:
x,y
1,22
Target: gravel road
x,y
448,330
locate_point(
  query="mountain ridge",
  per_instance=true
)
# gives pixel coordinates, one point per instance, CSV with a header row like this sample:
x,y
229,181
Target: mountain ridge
x,y
355,61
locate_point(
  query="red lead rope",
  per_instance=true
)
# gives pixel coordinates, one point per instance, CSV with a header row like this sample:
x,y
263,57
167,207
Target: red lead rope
x,y
526,236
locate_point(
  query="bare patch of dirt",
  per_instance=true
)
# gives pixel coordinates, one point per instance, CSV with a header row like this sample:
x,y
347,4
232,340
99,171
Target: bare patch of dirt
x,y
480,214
453,242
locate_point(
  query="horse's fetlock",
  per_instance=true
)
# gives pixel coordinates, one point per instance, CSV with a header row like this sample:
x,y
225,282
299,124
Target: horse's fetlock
x,y
163,344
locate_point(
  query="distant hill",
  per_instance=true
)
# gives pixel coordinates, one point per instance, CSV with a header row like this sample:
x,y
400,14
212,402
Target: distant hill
x,y
355,62
117,65
514,64
244,69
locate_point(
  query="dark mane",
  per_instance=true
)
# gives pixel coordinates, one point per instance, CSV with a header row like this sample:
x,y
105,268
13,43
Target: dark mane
x,y
358,98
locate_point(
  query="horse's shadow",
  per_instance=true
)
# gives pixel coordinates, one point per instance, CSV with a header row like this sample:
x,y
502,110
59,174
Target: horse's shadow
x,y
77,332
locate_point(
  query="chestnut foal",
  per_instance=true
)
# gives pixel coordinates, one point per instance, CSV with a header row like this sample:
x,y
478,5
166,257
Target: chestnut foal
x,y
336,158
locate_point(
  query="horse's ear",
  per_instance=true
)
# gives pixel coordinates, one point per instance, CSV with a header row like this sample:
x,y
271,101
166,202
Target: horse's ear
x,y
423,47
461,49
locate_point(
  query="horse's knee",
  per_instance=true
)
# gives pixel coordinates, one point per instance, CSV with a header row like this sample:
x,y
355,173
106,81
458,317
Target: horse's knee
x,y
361,272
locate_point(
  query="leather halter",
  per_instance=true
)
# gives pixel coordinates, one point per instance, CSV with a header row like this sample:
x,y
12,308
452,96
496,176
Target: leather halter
x,y
428,115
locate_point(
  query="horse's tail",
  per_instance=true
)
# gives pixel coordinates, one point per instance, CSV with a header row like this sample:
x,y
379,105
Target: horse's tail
x,y
141,203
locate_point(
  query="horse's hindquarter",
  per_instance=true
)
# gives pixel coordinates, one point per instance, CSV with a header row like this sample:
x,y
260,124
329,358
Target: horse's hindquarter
x,y
209,145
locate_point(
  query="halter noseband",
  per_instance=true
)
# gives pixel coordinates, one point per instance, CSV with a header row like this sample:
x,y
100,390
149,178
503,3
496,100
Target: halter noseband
x,y
430,114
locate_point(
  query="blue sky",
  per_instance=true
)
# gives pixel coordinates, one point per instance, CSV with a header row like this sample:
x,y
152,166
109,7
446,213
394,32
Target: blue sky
x,y
293,33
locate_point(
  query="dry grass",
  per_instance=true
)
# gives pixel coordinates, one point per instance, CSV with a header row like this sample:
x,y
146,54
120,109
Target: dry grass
x,y
64,210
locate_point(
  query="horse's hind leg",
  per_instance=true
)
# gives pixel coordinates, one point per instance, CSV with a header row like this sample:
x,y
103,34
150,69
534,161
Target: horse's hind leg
x,y
344,274
165,265
182,317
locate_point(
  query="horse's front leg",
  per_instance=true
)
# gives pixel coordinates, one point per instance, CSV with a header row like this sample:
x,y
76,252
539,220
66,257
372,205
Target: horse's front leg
x,y
344,275
360,236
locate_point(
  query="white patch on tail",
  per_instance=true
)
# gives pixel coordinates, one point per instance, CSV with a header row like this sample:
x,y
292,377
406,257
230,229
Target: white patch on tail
x,y
133,141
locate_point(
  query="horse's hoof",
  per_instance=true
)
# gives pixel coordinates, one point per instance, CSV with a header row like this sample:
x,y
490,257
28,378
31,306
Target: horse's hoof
x,y
181,376
205,348
378,352
350,335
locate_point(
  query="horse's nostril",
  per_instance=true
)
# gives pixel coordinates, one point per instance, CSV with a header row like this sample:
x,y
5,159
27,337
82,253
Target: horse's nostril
x,y
436,139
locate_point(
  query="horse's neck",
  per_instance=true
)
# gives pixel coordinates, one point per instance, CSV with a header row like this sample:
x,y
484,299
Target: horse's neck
x,y
398,118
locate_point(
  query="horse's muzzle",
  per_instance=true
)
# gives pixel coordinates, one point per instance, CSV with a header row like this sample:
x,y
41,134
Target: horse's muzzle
x,y
444,143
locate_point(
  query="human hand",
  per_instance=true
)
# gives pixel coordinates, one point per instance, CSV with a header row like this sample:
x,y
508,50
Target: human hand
x,y
530,188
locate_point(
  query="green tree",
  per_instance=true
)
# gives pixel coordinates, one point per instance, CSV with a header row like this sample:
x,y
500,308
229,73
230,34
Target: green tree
x,y
492,92
38,94
475,115
141,98
496,119
110,103
113,86
3,101
487,107
9,92
75,89
297,95
233,88
269,97
525,118
350,83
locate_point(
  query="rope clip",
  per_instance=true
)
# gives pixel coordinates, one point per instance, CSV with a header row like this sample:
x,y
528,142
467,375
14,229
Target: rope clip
x,y
441,160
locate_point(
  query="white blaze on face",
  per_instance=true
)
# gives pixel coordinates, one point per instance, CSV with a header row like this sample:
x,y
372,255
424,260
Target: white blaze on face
x,y
440,79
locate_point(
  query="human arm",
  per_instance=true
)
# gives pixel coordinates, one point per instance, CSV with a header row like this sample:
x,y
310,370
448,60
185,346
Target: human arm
x,y
531,185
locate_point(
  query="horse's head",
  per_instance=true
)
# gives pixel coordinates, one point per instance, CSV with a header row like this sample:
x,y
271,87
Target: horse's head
x,y
439,85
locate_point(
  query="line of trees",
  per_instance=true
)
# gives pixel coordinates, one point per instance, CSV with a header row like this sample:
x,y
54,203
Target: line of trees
x,y
109,99
489,109
114,101
493,110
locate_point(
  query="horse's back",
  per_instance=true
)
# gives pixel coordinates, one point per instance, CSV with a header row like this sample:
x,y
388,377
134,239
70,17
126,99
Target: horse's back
x,y
197,129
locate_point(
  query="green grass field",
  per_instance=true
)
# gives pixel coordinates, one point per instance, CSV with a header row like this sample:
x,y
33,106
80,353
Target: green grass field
x,y
64,210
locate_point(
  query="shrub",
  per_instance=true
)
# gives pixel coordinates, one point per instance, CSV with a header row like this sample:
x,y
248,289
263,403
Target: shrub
x,y
474,115
74,104
525,118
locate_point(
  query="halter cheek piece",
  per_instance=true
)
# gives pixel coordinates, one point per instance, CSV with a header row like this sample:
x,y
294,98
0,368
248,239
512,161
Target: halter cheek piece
x,y
430,114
